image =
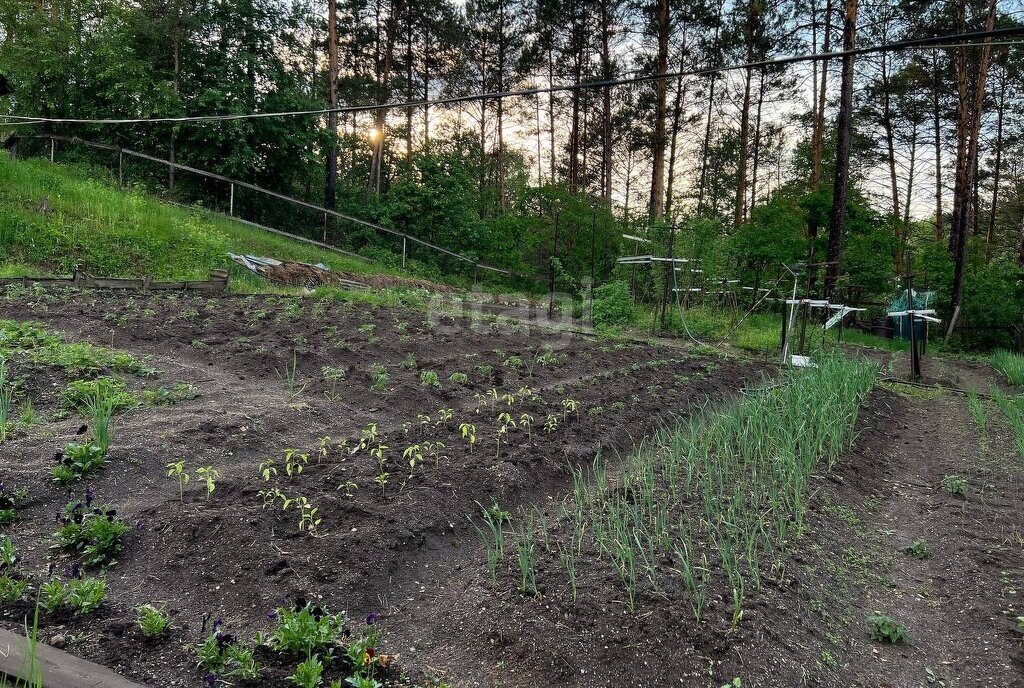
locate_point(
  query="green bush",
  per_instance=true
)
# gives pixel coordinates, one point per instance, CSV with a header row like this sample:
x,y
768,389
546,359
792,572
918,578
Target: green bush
x,y
613,306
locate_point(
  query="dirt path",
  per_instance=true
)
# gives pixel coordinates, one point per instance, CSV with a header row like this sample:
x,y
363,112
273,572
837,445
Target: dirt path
x,y
959,604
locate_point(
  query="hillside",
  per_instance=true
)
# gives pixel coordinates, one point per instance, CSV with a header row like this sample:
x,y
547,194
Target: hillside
x,y
54,218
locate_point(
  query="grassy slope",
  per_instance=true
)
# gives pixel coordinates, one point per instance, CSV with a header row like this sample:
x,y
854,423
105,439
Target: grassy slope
x,y
53,219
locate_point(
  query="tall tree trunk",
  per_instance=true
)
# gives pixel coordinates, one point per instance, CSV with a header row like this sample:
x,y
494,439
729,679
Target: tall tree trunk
x,y
840,190
380,115
910,177
990,235
408,84
757,142
426,83
500,106
551,112
890,139
890,150
657,204
540,168
677,115
741,172
574,130
818,141
969,130
1020,254
937,119
330,188
177,89
606,102
706,146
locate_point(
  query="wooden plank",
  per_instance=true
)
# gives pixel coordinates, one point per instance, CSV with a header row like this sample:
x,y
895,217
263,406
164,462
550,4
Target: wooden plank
x,y
58,668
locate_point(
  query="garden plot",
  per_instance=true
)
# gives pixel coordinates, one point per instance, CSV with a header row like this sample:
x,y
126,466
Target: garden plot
x,y
265,450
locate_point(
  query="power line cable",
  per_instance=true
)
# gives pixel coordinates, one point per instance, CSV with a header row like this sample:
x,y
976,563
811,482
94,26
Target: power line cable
x,y
960,40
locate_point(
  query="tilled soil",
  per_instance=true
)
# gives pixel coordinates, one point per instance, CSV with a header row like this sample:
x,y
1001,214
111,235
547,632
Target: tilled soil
x,y
408,551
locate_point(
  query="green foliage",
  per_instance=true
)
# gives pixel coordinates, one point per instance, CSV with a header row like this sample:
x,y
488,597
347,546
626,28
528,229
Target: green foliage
x,y
954,484
85,395
162,396
227,659
493,535
95,534
308,674
153,621
86,595
12,589
885,629
613,306
305,630
52,595
79,461
1013,411
9,502
8,558
1009,364
429,378
919,549
380,377
730,486
91,222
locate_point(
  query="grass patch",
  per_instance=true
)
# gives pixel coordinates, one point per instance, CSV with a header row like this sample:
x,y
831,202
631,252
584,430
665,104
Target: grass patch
x,y
1009,364
54,218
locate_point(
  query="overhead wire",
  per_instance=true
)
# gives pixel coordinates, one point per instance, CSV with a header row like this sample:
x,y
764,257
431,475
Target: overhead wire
x,y
957,40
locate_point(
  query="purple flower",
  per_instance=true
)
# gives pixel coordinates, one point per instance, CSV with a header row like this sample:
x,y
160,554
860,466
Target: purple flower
x,y
76,572
372,618
272,615
89,495
210,679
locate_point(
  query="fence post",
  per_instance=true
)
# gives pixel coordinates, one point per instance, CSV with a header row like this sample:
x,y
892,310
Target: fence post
x,y
231,202
52,145
120,168
403,252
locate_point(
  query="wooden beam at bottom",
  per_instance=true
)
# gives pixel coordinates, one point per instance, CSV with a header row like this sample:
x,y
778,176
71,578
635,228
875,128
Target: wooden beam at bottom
x,y
58,668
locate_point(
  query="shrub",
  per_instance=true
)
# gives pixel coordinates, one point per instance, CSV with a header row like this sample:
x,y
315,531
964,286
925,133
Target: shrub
x,y
884,629
613,306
